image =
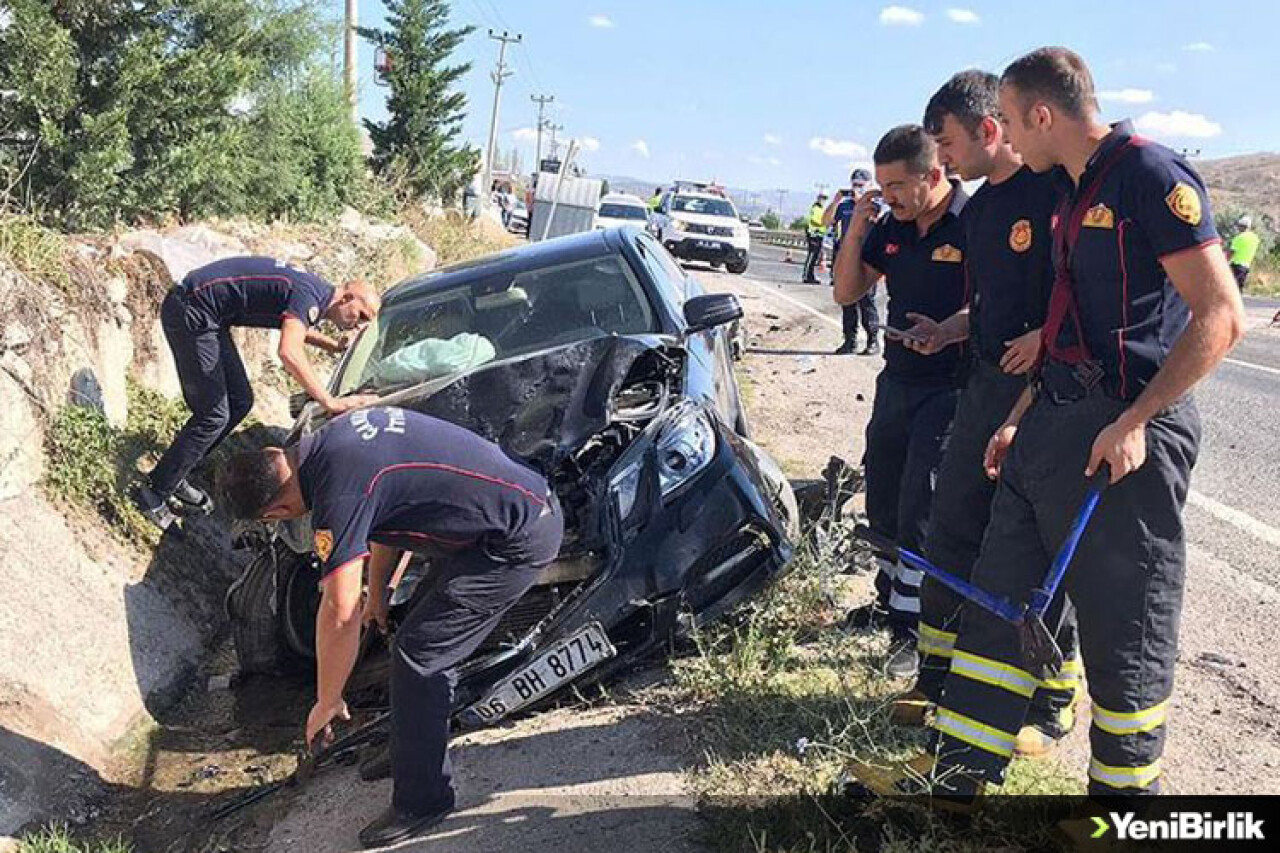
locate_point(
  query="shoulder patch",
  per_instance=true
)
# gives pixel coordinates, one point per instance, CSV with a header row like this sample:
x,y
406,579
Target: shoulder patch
x,y
1184,201
313,314
324,543
1099,216
948,253
1020,235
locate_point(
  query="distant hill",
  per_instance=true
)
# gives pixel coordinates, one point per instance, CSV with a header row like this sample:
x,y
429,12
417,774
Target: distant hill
x,y
1248,183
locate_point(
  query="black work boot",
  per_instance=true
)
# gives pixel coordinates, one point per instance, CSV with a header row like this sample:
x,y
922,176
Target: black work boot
x,y
153,506
187,500
872,348
849,347
395,825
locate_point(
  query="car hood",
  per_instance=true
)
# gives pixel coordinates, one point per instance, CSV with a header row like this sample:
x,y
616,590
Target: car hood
x,y
540,407
704,219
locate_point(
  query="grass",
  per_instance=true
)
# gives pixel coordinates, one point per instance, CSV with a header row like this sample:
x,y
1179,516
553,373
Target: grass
x,y
57,839
783,700
92,463
34,250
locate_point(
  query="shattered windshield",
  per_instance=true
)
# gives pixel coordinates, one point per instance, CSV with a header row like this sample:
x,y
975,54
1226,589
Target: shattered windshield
x,y
430,335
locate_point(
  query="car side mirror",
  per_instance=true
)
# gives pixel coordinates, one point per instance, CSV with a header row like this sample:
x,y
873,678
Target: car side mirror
x,y
297,402
711,310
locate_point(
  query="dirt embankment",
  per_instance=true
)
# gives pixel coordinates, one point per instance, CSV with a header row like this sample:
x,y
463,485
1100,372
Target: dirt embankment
x,y
101,632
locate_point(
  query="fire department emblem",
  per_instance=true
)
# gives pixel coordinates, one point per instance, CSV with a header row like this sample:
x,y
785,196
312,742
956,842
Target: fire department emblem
x,y
1185,203
324,543
948,253
1099,216
1020,235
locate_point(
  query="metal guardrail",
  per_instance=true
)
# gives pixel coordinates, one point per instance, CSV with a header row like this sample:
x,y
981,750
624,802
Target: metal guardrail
x,y
790,239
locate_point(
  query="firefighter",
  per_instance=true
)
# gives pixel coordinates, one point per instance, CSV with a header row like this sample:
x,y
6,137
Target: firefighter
x,y
864,311
1009,273
813,232
1143,307
919,251
378,482
197,317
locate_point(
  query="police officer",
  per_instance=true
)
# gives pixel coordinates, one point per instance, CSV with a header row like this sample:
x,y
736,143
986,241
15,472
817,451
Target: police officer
x,y
1009,273
814,231
377,482
197,317
863,312
919,251
1143,306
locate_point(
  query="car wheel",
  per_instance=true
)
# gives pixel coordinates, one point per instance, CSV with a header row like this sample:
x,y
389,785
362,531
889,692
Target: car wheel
x,y
715,265
257,605
737,267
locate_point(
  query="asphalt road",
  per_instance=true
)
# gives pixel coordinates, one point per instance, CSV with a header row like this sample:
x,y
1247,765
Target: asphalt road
x,y
1234,511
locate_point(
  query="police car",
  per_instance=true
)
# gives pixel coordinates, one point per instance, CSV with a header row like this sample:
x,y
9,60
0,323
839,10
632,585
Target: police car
x,y
702,225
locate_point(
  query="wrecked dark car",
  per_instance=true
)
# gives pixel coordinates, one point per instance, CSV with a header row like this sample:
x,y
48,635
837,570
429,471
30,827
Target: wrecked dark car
x,y
596,360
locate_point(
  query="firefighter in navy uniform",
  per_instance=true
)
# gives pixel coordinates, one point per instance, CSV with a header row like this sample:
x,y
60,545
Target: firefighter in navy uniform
x,y
1009,272
198,315
378,482
919,251
1143,307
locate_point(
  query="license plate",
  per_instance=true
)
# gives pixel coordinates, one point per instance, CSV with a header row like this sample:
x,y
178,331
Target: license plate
x,y
552,669
711,245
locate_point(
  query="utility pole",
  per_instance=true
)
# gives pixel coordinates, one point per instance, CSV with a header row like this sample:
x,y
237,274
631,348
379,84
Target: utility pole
x,y
554,129
499,74
349,58
541,101
822,188
781,194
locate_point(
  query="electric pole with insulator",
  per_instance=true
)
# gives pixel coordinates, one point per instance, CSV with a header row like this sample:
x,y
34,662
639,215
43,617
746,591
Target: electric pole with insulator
x,y
500,74
541,101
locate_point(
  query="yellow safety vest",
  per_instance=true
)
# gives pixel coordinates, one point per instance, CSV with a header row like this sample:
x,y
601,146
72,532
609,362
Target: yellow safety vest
x,y
815,228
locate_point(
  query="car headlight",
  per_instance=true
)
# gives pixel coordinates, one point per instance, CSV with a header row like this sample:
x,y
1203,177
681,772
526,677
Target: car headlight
x,y
680,225
684,443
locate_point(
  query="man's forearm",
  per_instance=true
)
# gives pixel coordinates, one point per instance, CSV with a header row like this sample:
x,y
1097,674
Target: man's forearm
x,y
337,644
382,560
851,281
1201,347
297,366
956,327
323,341
1020,406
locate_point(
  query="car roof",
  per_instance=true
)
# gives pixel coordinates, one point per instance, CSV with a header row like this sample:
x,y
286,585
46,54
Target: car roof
x,y
574,247
623,198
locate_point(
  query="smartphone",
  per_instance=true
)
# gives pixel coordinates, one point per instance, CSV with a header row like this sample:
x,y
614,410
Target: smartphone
x,y
895,334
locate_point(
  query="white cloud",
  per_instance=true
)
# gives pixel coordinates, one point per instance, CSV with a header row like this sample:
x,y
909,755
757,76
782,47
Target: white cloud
x,y
1199,47
524,134
603,22
900,16
842,148
640,147
964,16
1178,124
772,139
1127,96
589,143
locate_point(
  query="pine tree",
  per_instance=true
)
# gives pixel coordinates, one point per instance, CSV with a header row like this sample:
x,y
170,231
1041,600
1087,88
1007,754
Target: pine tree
x,y
419,142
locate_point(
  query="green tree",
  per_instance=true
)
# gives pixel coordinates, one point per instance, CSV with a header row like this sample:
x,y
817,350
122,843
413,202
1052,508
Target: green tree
x,y
419,143
770,221
125,109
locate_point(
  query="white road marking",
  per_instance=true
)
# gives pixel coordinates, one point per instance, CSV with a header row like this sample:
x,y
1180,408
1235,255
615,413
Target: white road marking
x,y
1238,363
796,302
1240,520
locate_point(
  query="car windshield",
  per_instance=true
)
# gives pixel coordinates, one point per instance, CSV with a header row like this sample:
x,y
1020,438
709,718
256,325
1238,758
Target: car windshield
x,y
429,335
708,206
623,211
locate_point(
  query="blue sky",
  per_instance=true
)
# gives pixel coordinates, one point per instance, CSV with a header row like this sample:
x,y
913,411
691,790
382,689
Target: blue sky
x,y
767,94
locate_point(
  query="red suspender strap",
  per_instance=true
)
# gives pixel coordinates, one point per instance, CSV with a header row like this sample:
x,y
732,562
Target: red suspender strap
x,y
1068,220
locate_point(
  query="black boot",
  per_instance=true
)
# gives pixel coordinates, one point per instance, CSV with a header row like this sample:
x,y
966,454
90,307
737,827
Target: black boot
x,y
188,500
849,347
872,347
394,826
153,506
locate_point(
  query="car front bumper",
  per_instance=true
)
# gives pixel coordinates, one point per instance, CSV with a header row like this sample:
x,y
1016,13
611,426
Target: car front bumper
x,y
708,249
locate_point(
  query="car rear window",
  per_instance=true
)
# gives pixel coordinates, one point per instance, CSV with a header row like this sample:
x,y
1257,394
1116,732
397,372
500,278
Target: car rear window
x,y
623,211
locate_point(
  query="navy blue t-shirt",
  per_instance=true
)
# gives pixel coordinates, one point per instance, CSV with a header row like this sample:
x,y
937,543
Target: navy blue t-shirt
x,y
923,275
1148,205
840,220
1009,259
254,291
404,479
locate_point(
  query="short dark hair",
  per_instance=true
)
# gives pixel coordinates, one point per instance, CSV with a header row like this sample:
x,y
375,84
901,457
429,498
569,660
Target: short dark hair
x,y
969,96
1056,75
907,143
248,483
